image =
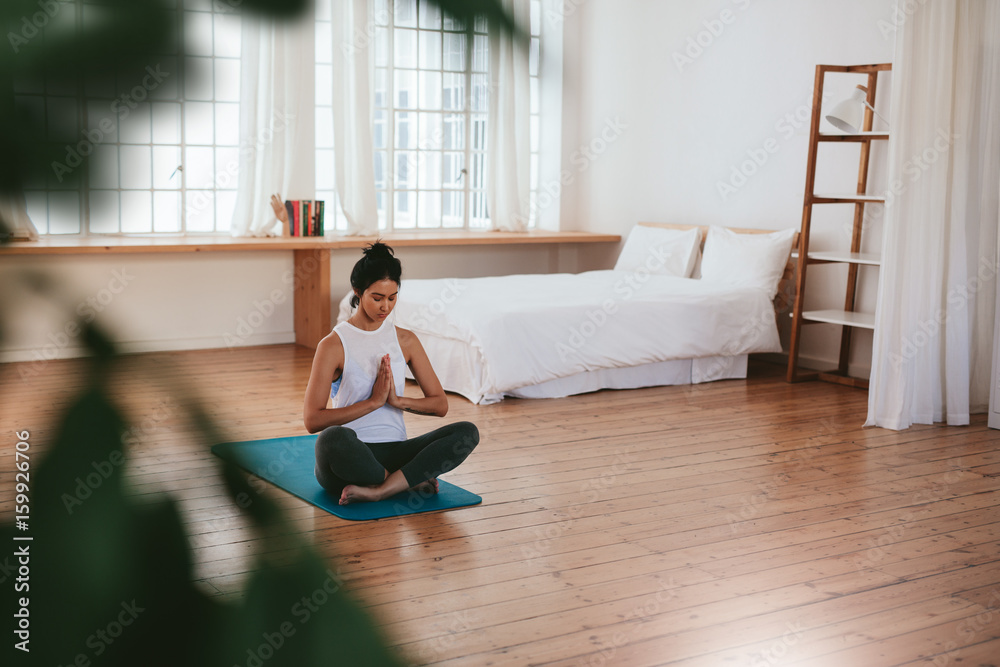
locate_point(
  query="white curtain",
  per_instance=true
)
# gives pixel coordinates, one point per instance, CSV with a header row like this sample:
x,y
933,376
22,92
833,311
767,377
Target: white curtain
x,y
353,62
277,126
937,289
14,214
508,147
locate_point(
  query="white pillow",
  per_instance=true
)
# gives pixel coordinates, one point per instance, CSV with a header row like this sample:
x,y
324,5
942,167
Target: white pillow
x,y
665,252
746,260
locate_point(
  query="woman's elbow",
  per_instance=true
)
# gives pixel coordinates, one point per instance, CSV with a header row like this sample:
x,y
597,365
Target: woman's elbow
x,y
443,409
310,422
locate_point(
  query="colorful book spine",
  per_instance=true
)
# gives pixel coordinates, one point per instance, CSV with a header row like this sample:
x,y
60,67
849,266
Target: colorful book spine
x,y
291,216
305,217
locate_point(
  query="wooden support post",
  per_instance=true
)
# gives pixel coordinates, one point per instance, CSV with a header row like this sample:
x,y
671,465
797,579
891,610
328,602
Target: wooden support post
x,y
312,303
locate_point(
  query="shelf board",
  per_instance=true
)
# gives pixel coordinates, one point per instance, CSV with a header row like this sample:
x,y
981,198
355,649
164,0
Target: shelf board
x,y
845,198
860,136
867,258
842,317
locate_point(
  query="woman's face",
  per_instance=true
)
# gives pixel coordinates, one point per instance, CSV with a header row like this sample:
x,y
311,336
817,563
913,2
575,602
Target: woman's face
x,y
379,299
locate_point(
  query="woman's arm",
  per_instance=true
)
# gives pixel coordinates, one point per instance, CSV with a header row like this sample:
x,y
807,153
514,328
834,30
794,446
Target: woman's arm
x,y
434,402
327,363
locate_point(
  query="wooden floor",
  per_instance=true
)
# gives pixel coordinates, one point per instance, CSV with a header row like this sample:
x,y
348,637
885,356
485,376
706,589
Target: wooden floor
x,y
734,523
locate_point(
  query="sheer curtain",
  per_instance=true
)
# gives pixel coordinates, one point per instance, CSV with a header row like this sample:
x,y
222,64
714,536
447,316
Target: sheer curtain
x,y
14,216
353,64
508,146
277,126
937,289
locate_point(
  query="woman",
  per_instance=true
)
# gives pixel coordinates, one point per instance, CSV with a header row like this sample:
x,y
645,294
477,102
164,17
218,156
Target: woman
x,y
362,452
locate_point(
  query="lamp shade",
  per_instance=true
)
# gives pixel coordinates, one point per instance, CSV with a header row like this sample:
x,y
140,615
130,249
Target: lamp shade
x,y
849,115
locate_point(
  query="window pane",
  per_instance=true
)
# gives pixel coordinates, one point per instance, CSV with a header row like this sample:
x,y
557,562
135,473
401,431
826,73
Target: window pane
x,y
198,125
536,17
380,129
430,90
325,177
480,53
227,35
225,205
478,215
135,125
478,171
227,168
37,202
199,209
406,89
451,23
166,123
430,136
403,215
198,78
429,172
406,172
198,167
166,159
198,33
533,84
165,86
454,52
453,164
381,90
533,57
324,127
381,47
480,93
227,80
166,211
534,134
479,132
324,41
454,92
480,24
453,133
136,167
429,209
406,13
324,85
430,15
382,12
137,211
103,167
430,50
380,170
63,122
404,48
104,211
227,124
102,119
406,133
452,213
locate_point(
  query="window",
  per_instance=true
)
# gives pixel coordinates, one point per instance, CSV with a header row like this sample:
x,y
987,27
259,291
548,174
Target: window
x,y
164,143
431,99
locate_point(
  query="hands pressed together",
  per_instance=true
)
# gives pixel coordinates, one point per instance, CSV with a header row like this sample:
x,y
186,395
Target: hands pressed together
x,y
384,390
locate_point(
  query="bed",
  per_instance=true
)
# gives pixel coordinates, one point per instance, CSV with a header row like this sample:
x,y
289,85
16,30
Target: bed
x,y
683,305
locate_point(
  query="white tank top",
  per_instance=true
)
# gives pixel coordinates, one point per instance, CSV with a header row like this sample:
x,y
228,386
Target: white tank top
x,y
363,350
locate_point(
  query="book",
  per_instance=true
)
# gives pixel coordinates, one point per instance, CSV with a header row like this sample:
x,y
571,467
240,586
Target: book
x,y
305,217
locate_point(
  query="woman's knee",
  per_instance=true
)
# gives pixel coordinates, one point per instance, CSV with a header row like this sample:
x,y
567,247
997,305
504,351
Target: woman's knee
x,y
468,435
334,440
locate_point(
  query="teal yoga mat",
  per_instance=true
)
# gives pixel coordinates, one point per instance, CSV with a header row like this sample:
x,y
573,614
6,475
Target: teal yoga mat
x,y
289,463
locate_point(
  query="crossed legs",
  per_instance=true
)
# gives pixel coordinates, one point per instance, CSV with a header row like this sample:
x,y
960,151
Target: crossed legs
x,y
357,471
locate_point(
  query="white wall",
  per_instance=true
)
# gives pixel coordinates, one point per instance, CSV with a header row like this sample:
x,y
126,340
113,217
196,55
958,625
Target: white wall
x,y
182,301
689,113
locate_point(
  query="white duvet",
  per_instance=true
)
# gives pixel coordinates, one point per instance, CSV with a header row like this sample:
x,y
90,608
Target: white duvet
x,y
530,329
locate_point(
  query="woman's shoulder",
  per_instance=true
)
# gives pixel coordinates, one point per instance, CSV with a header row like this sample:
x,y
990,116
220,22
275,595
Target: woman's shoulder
x,y
405,335
330,343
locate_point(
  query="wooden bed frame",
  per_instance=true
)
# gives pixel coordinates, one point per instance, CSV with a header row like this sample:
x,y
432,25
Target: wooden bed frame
x,y
784,300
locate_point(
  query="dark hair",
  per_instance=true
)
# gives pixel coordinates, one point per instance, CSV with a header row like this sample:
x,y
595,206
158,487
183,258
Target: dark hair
x,y
377,264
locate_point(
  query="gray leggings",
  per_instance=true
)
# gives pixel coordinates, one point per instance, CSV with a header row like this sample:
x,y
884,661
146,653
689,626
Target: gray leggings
x,y
342,459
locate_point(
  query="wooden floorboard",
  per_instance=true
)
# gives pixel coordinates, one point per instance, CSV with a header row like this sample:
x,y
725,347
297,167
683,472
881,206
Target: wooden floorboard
x,y
744,522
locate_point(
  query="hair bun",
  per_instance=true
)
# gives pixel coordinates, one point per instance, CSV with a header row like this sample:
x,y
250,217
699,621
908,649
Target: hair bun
x,y
378,250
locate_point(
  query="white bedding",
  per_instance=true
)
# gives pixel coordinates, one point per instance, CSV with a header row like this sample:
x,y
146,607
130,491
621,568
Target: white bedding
x,y
525,330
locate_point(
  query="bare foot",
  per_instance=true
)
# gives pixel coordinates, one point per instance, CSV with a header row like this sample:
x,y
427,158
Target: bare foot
x,y
430,486
359,494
